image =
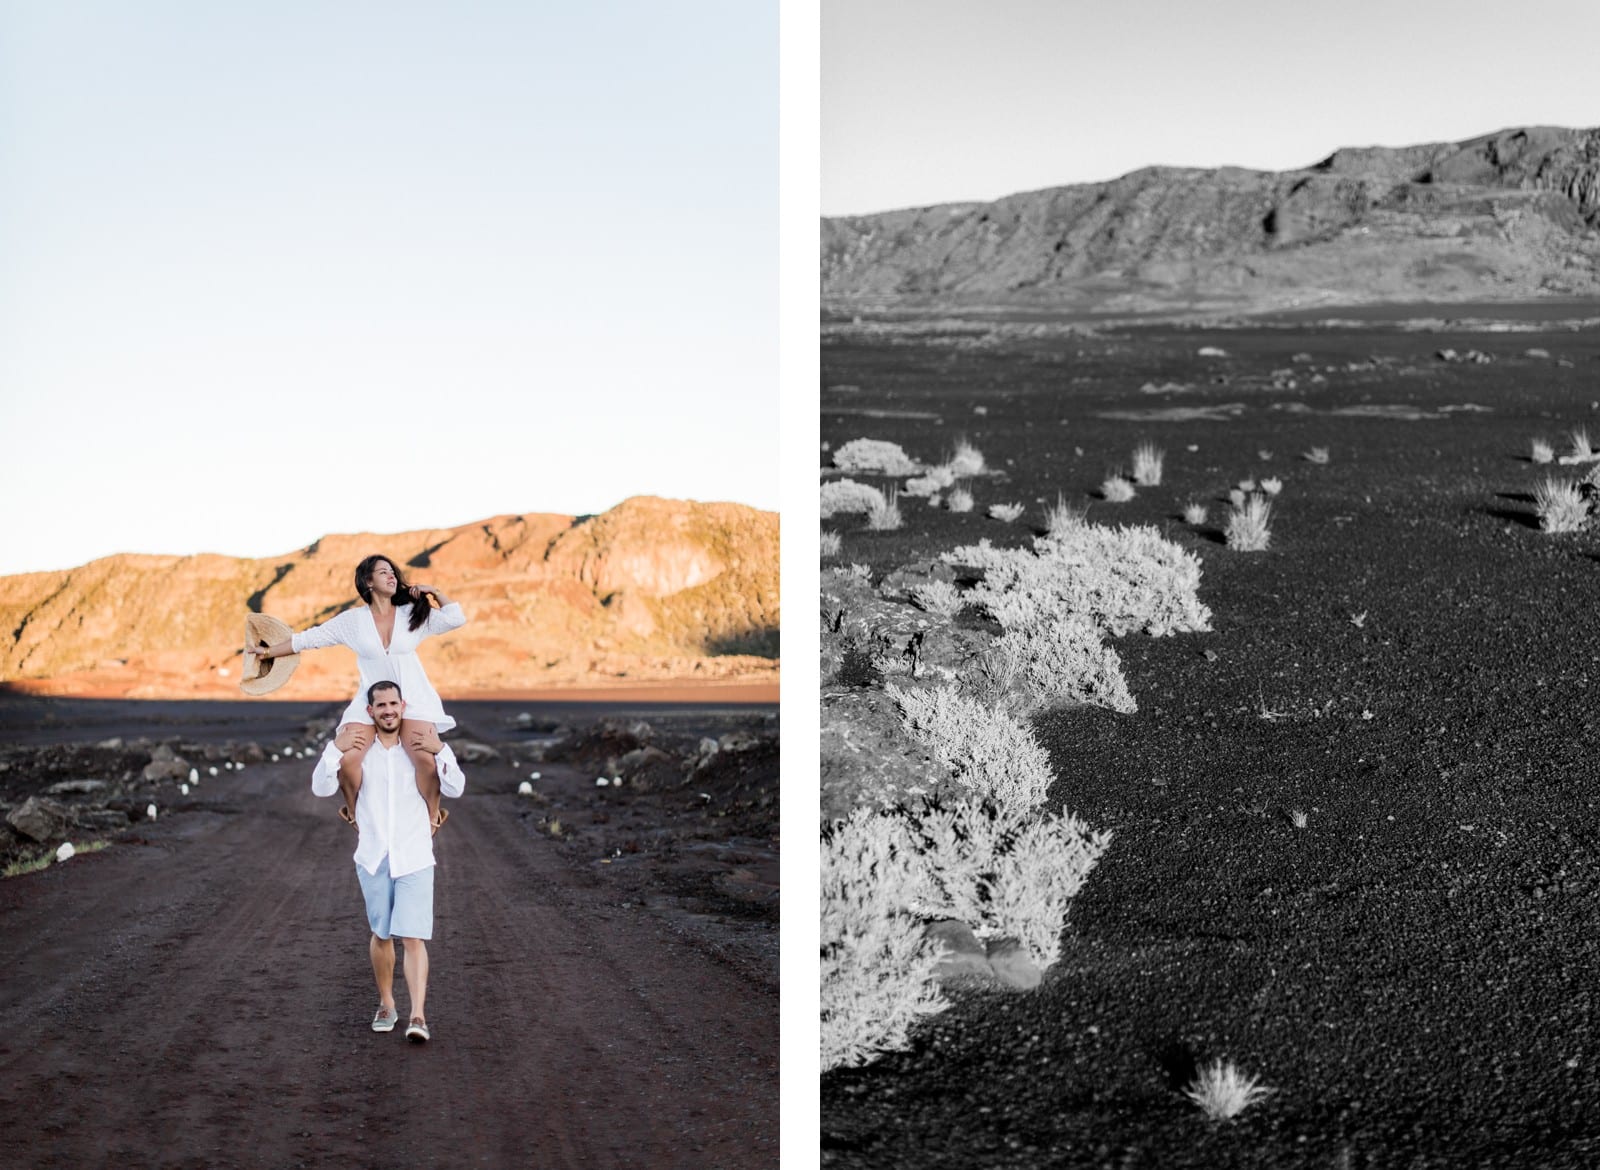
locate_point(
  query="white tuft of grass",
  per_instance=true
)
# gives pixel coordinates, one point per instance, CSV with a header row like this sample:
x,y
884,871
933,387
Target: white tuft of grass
x,y
1147,461
1358,619
967,460
959,500
832,542
1223,1092
1316,455
1236,498
886,516
1264,455
1247,485
1541,452
1298,818
1064,517
1560,506
1010,513
1194,513
1247,528
1581,447
1116,490
1272,485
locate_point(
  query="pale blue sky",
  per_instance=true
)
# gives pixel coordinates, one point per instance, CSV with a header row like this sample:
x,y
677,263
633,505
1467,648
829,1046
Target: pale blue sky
x,y
933,101
269,271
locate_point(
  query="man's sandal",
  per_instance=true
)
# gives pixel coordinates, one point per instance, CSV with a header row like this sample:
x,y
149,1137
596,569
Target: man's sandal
x,y
418,1032
385,1019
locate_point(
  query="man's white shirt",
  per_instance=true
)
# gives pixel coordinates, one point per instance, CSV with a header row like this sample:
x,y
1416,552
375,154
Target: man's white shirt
x,y
390,813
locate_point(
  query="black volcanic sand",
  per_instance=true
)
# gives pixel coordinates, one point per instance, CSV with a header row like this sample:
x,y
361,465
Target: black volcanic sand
x,y
1414,972
604,964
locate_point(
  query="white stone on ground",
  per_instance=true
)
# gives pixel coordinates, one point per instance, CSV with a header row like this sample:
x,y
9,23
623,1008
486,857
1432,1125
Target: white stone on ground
x,y
65,851
524,789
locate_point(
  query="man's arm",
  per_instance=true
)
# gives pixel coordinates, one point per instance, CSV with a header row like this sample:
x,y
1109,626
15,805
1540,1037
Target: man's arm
x,y
451,778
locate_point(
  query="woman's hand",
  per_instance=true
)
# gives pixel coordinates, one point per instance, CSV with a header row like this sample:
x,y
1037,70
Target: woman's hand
x,y
419,591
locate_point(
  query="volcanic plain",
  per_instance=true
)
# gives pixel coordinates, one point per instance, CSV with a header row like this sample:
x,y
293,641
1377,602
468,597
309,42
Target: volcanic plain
x,y
1356,825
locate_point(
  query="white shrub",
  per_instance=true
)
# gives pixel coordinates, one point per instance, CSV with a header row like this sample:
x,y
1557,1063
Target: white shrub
x,y
959,500
1194,513
1272,485
938,597
846,495
1581,447
886,516
1116,490
1009,513
1223,1092
1316,455
967,460
1247,485
935,480
1147,461
1247,529
986,751
831,544
1125,578
1005,874
874,455
1541,451
1236,498
877,964
1560,506
1060,663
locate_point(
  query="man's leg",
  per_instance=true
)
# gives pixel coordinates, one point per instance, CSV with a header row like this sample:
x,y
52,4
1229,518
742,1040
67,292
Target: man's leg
x,y
416,971
422,744
382,952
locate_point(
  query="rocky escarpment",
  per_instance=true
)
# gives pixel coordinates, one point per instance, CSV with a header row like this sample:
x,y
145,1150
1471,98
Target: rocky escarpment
x,y
652,589
1509,215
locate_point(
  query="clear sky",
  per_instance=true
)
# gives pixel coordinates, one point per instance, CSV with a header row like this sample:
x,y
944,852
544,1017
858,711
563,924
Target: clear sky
x,y
274,270
934,101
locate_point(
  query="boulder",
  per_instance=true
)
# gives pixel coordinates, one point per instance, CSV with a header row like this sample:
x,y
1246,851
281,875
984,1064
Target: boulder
x,y
963,953
41,819
75,787
1013,966
472,752
177,769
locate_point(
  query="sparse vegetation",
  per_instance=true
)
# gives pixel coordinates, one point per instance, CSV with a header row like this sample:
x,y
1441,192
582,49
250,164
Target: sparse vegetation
x,y
1147,463
1541,451
874,456
1272,485
1248,526
1116,490
1560,506
1194,513
832,542
959,500
1582,449
1009,513
886,516
846,495
1223,1092
967,460
1317,455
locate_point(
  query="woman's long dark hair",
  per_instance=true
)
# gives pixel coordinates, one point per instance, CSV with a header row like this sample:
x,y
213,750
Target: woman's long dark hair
x,y
419,608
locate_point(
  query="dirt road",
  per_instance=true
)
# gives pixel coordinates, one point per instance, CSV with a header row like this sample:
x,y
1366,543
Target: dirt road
x,y
199,997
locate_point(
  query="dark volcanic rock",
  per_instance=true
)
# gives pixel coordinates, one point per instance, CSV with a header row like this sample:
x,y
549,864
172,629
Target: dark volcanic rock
x,y
41,819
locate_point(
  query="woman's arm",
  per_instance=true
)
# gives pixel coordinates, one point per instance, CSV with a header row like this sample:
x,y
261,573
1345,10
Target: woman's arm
x,y
276,650
442,620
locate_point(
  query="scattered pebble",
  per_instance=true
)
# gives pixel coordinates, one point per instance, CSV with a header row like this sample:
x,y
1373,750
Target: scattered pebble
x,y
183,789
524,789
533,775
212,770
150,812
194,774
65,851
601,782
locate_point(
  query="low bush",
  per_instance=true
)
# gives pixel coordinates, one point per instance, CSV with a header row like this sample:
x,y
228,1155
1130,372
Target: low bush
x,y
1541,452
1065,663
934,481
885,517
986,751
1272,485
959,500
938,597
1195,514
877,964
967,460
874,455
1116,490
846,495
1009,513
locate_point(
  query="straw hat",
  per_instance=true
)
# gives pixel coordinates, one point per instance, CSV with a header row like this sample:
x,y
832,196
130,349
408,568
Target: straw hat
x,y
260,675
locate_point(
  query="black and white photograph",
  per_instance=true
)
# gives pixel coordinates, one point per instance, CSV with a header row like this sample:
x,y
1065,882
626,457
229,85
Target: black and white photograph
x,y
1209,449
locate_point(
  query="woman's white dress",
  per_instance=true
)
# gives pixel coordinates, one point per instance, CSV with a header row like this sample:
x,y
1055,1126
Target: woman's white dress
x,y
356,629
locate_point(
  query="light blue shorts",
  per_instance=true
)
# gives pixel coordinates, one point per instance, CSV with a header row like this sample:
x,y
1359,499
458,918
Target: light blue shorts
x,y
398,906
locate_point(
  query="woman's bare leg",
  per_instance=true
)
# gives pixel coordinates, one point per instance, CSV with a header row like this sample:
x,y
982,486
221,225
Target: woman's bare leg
x,y
353,742
422,744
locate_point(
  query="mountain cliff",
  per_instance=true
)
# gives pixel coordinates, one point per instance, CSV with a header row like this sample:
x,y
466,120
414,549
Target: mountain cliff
x,y
652,589
1508,215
